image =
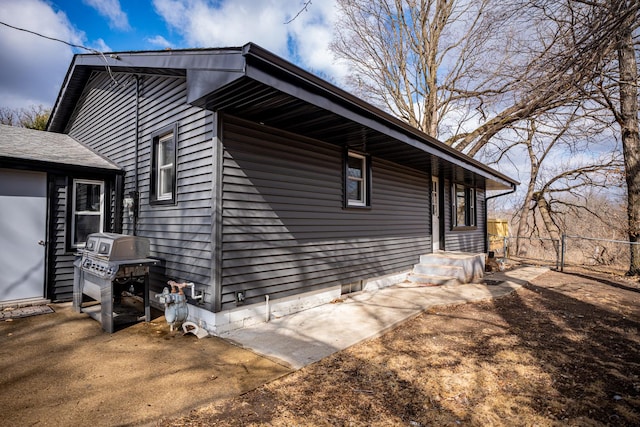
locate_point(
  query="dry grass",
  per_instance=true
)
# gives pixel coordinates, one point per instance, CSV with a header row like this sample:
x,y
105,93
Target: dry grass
x,y
564,350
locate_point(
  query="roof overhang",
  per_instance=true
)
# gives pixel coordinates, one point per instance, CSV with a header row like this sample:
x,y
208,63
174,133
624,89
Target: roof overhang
x,y
252,83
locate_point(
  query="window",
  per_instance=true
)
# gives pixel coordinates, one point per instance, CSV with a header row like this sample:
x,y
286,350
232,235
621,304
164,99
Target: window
x,y
463,200
87,210
357,184
163,167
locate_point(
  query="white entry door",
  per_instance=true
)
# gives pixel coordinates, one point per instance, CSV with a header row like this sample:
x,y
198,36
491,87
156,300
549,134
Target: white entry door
x,y
435,213
23,213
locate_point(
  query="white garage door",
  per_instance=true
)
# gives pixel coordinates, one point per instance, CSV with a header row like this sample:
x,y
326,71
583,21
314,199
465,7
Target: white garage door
x,y
23,213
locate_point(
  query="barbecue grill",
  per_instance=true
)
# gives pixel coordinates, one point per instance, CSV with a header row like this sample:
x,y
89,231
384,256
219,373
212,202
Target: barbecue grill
x,y
113,270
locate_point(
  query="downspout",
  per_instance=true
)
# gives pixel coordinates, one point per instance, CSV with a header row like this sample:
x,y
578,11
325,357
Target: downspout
x,y
135,195
486,229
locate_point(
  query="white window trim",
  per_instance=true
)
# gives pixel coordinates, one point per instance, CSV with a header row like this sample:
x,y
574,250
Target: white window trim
x,y
166,135
435,209
74,213
363,180
470,206
162,167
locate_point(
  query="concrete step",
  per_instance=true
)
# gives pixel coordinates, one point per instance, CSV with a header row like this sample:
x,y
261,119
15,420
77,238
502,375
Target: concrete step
x,y
456,271
451,258
433,280
471,263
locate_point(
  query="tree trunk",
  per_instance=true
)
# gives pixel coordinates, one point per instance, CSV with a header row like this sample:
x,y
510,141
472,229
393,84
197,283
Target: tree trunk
x,y
630,139
533,176
524,215
545,213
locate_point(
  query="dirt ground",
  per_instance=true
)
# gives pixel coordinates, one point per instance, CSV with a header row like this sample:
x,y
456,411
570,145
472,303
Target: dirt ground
x,y
563,350
60,369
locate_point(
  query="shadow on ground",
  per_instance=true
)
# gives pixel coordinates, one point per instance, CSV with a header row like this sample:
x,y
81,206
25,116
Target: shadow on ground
x,y
62,369
562,350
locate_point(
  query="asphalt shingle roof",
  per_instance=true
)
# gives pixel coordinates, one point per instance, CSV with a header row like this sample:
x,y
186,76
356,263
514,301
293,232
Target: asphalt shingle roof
x,y
49,147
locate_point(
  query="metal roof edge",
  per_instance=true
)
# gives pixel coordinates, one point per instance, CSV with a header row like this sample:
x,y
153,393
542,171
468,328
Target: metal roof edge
x,y
184,59
176,59
31,164
61,92
255,51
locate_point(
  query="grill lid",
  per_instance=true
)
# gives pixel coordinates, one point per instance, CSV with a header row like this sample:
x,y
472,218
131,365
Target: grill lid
x,y
116,247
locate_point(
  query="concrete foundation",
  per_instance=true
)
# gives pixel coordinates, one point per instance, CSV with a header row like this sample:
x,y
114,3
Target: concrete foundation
x,y
249,315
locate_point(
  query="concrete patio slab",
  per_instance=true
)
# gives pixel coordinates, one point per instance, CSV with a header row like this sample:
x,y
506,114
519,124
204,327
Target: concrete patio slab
x,y
303,338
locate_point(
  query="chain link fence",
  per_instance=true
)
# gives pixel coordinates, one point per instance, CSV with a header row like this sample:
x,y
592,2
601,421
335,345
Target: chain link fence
x,y
526,248
569,250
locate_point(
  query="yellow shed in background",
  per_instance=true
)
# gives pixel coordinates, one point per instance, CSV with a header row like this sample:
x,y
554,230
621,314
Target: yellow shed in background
x,y
498,229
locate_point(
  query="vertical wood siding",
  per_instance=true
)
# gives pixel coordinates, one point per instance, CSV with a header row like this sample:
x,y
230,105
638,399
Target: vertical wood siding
x,y
105,120
465,240
284,228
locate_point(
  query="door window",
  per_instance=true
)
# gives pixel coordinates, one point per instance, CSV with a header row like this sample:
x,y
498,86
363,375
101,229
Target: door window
x,y
88,210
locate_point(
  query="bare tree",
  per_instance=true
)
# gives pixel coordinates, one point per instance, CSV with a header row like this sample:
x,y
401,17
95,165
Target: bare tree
x,y
458,70
407,55
615,86
304,8
575,182
8,116
600,64
553,64
557,146
33,117
473,73
627,118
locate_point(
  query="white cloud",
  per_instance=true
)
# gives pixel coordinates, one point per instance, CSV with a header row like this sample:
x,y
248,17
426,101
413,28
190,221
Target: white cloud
x,y
304,41
111,10
313,31
101,46
33,67
159,41
232,23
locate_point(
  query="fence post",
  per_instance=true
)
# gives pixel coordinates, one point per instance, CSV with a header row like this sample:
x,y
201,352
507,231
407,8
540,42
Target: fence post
x,y
562,251
505,247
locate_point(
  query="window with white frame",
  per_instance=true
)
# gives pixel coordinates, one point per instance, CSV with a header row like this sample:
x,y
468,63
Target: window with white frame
x,y
357,180
87,210
163,168
463,200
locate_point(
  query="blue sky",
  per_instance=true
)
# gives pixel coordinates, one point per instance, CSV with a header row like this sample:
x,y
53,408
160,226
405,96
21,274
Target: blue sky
x,y
33,67
130,25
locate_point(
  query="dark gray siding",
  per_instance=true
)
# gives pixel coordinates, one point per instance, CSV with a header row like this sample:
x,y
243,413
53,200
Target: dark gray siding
x,y
469,240
60,256
284,228
105,120
181,234
61,278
